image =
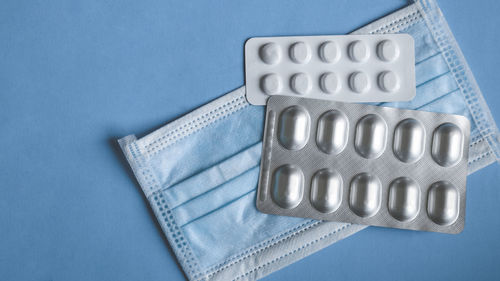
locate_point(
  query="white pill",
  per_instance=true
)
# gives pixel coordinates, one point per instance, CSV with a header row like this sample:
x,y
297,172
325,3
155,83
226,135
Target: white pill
x,y
388,81
358,51
270,53
359,82
300,52
271,84
300,83
387,50
329,52
329,83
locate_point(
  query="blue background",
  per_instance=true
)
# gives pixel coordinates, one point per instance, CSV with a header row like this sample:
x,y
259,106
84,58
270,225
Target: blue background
x,y
77,75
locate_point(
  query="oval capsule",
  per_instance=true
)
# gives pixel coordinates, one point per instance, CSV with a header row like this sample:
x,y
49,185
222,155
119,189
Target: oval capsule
x,y
371,136
365,195
404,199
409,140
294,126
288,186
447,144
333,131
443,203
326,190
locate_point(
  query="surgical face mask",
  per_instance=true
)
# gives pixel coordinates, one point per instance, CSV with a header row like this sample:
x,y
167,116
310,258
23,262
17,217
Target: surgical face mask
x,y
200,172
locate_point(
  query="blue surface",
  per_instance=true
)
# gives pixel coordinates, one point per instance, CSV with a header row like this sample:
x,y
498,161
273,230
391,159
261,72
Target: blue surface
x,y
76,75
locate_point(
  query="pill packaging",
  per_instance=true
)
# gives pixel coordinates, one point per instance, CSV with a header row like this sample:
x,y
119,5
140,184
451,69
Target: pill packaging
x,y
349,68
364,164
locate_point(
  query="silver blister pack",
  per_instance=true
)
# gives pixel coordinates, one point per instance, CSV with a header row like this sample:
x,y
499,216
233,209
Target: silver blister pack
x,y
364,164
349,68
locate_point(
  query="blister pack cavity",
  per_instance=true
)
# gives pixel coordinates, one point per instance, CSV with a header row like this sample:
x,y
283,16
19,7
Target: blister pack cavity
x,y
364,164
349,68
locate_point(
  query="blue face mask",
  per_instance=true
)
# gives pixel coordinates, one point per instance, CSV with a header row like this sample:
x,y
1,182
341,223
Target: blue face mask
x,y
200,172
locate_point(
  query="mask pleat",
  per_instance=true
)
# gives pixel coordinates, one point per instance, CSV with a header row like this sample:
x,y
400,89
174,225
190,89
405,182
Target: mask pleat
x,y
451,103
430,68
217,197
214,176
248,227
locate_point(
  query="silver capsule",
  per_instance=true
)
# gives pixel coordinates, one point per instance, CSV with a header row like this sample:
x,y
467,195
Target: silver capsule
x,y
371,136
443,203
447,144
288,186
326,190
409,140
365,195
404,199
332,133
294,126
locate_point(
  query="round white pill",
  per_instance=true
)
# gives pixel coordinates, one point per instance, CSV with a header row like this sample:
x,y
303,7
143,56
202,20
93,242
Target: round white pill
x,y
271,84
329,52
358,51
358,82
300,52
270,53
388,81
387,50
329,83
300,83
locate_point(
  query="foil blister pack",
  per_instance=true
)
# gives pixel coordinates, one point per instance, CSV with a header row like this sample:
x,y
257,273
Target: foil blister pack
x,y
349,68
364,164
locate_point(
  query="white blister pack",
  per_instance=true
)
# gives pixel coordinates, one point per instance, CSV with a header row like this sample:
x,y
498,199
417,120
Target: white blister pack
x,y
349,68
364,164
